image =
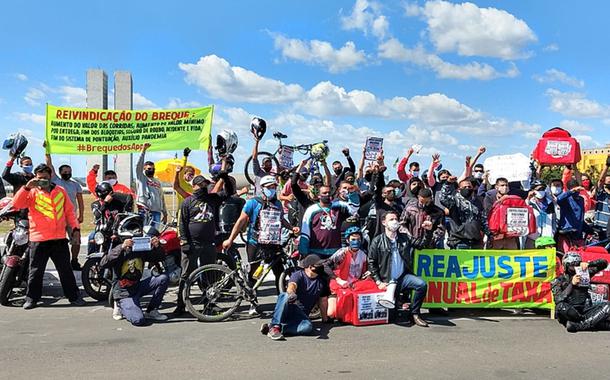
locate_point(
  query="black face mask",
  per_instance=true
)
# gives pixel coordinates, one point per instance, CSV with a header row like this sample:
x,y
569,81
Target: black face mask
x,y
415,190
149,172
319,270
466,193
368,177
338,171
607,186
201,192
66,176
325,199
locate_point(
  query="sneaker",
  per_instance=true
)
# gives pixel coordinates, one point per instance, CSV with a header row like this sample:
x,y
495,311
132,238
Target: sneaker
x,y
78,302
275,333
75,265
29,304
253,312
265,328
117,315
155,315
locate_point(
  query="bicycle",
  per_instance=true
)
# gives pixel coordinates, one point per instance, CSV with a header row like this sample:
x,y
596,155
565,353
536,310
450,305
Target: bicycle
x,y
304,149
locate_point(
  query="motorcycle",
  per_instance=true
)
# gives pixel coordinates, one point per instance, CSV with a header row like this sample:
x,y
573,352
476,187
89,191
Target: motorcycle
x,y
15,257
170,243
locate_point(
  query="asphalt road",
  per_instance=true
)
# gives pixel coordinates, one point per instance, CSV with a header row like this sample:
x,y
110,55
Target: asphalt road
x,y
61,341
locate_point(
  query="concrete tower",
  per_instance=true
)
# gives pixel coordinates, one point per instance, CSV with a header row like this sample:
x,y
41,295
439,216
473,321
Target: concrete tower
x,y
97,97
123,100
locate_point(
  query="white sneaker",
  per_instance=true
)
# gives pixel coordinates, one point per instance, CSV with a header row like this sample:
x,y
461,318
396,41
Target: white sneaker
x,y
252,312
155,315
117,315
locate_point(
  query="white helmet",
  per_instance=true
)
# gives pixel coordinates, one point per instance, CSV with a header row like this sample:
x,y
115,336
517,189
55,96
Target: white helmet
x,y
268,180
226,142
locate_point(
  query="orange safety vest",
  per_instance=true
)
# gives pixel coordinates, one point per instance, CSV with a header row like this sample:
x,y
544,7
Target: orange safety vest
x,y
49,213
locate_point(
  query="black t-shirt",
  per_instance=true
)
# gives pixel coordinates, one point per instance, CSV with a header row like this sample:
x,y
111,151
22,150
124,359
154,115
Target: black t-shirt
x,y
309,290
200,216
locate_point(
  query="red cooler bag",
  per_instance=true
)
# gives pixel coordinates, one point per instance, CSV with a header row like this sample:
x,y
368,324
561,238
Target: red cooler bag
x,y
557,147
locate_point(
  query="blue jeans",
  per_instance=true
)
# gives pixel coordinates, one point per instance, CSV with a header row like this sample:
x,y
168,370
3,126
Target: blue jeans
x,y
290,317
411,282
130,307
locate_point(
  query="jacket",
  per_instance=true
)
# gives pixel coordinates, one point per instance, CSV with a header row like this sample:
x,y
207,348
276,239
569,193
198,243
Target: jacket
x,y
414,215
15,179
150,191
118,188
572,214
466,217
48,212
380,255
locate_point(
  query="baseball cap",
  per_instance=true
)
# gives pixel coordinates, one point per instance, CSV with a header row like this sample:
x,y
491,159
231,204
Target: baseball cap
x,y
311,260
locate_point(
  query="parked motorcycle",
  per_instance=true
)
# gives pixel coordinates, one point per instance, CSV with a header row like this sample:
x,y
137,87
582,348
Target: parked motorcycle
x,y
15,257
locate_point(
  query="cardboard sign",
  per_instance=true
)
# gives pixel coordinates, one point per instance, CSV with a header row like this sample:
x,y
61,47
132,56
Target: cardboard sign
x,y
373,148
286,157
514,167
369,311
557,149
517,221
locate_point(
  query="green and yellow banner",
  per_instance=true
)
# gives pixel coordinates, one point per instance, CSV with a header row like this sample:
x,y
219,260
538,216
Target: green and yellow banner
x,y
487,278
98,131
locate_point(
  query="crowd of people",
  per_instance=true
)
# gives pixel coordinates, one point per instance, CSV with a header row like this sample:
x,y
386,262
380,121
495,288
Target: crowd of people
x,y
357,226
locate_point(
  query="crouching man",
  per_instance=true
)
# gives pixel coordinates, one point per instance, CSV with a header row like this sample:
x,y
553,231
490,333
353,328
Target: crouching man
x,y
128,290
306,288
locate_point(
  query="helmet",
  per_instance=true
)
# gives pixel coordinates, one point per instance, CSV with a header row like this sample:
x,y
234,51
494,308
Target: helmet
x,y
535,183
571,259
352,230
103,189
319,151
16,144
258,127
543,241
268,180
226,142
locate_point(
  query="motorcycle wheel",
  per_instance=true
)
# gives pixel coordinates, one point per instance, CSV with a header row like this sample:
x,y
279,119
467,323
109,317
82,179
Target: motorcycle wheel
x,y
7,281
261,155
95,284
211,293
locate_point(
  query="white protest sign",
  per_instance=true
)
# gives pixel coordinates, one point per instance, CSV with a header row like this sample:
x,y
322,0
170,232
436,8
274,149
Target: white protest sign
x,y
369,310
286,157
517,221
373,148
513,167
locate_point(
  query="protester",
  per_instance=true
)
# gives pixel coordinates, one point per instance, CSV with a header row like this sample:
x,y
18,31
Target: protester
x,y
108,202
544,211
421,214
494,199
391,262
21,178
340,172
259,170
413,167
602,203
185,178
572,217
110,177
50,213
129,288
306,288
150,201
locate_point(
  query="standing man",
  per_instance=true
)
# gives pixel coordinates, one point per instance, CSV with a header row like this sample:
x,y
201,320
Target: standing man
x,y
21,178
602,203
75,193
150,191
50,212
260,171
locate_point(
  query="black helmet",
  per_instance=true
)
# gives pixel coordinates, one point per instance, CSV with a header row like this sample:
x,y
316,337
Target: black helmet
x,y
103,189
258,127
16,144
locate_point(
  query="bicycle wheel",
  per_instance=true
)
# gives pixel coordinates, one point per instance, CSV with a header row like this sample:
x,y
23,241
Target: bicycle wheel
x,y
211,293
261,155
284,278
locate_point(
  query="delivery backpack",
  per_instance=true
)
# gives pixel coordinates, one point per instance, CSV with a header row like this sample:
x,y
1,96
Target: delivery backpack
x,y
512,217
557,147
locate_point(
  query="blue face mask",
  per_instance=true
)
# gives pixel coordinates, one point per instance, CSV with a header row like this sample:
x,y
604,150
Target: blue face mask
x,y
355,244
27,169
269,193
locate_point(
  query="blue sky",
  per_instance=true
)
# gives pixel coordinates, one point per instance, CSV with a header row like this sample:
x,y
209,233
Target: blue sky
x,y
449,76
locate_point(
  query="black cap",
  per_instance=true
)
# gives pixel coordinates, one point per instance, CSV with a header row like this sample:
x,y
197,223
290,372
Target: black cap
x,y
311,260
199,180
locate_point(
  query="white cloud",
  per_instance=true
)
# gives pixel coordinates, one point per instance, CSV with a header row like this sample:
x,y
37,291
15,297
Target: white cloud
x,y
588,141
551,48
574,126
179,103
574,104
320,53
21,77
394,50
31,117
366,16
221,80
529,131
73,96
34,96
469,30
554,75
141,102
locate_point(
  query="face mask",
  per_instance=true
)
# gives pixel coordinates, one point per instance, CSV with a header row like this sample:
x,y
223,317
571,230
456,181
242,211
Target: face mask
x,y
466,192
415,190
503,190
607,186
478,175
44,183
555,190
540,194
343,193
111,181
27,169
393,225
368,177
66,176
397,192
325,199
269,193
416,173
337,171
586,183
318,270
355,244
149,172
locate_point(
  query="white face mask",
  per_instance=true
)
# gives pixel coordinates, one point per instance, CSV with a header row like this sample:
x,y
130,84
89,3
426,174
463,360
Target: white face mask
x,y
112,181
393,225
555,190
540,194
478,175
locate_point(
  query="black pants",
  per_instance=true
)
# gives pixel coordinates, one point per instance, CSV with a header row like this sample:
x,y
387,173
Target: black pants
x,y
59,253
254,253
197,256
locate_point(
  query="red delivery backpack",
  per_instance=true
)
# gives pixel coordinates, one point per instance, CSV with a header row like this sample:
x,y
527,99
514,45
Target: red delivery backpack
x,y
557,147
512,217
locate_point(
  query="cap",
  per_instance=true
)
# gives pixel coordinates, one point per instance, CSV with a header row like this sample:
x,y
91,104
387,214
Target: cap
x,y
199,180
268,180
310,260
316,180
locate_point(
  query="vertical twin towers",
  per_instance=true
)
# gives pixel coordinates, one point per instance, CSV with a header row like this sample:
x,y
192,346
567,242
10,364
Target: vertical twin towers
x,y
97,97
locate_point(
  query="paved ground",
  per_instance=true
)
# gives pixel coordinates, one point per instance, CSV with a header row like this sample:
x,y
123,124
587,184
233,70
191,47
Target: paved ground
x,y
59,341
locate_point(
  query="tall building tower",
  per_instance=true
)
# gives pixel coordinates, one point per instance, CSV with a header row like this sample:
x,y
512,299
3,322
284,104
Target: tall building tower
x,y
123,100
97,97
